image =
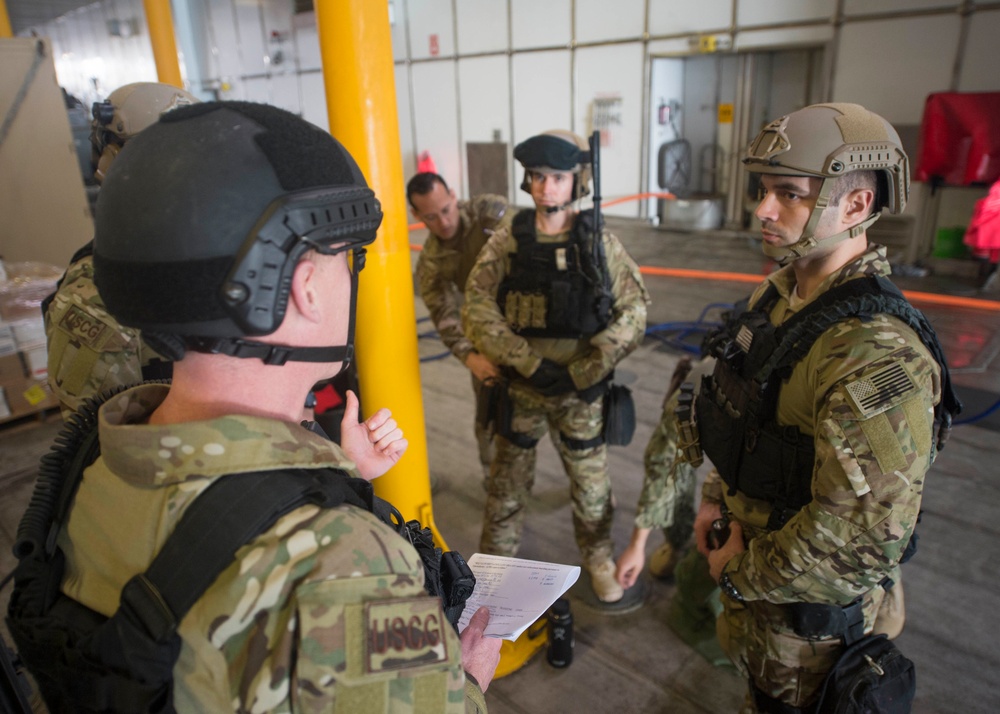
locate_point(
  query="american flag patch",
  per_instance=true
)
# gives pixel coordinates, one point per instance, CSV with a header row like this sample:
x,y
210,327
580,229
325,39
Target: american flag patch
x,y
877,391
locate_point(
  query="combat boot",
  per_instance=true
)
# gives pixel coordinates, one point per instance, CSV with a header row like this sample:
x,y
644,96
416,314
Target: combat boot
x,y
602,579
663,561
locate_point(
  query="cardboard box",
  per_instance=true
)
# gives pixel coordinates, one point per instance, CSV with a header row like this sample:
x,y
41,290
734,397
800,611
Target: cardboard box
x,y
12,368
37,362
27,396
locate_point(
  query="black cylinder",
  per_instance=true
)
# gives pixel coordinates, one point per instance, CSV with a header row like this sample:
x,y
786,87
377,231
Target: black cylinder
x,y
560,652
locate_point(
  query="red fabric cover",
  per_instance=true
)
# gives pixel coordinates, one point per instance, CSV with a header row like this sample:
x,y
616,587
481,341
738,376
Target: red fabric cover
x,y
983,233
960,139
327,398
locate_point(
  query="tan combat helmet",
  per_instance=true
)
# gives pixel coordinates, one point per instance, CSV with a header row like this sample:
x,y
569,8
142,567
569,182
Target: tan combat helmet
x,y
556,150
127,111
828,141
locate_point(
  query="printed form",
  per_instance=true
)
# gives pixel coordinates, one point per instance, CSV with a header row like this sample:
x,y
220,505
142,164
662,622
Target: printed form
x,y
516,591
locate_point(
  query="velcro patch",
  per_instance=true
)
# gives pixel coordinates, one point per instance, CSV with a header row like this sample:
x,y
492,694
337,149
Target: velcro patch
x,y
878,391
89,330
405,633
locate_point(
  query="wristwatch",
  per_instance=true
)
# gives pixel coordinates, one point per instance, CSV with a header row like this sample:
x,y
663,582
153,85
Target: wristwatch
x,y
730,591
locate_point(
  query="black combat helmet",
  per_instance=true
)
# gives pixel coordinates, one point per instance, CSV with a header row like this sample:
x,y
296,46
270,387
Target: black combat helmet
x,y
203,217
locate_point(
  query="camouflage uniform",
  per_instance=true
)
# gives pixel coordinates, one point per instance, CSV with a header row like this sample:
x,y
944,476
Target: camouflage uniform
x,y
292,624
442,270
667,498
89,351
867,484
588,361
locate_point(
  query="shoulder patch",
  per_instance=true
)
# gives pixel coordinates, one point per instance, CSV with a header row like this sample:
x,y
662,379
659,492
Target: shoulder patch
x,y
876,392
404,633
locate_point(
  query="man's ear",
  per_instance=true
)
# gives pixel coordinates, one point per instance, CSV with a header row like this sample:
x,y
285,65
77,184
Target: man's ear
x,y
303,293
858,204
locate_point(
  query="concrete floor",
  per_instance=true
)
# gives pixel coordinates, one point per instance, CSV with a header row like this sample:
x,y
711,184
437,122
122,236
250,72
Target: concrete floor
x,y
633,662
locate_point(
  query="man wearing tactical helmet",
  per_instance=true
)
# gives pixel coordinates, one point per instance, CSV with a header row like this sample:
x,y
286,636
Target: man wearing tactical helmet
x,y
89,352
558,310
827,405
232,235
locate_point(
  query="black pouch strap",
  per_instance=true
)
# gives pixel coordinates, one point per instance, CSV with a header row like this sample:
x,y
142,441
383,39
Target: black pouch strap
x,y
581,444
815,621
230,513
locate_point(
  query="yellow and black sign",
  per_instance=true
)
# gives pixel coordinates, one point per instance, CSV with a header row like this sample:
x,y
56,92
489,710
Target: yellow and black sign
x,y
725,113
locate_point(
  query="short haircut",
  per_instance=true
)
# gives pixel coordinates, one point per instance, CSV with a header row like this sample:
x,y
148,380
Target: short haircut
x,y
854,180
422,184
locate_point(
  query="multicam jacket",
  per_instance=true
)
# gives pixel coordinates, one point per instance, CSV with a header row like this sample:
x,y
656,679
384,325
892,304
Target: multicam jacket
x,y
870,462
444,265
324,612
89,352
588,360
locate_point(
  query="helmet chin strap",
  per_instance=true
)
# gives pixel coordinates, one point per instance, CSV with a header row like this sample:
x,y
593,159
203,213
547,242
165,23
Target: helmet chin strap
x,y
272,354
556,209
805,245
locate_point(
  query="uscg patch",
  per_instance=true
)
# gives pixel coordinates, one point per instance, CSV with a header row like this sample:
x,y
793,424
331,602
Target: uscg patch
x,y
876,392
404,633
90,331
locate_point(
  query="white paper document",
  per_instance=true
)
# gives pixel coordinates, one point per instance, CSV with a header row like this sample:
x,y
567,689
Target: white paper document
x,y
516,591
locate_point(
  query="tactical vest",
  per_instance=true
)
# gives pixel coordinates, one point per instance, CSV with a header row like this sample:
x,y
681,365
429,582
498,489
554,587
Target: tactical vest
x,y
556,289
737,403
85,662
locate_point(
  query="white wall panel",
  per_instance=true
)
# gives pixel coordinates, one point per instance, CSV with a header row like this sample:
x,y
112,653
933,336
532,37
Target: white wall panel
x,y
789,37
614,71
979,65
598,20
314,99
435,115
890,66
484,99
405,118
306,42
257,89
482,26
540,24
283,91
867,7
671,18
541,94
767,12
279,47
250,35
662,48
397,29
430,18
225,43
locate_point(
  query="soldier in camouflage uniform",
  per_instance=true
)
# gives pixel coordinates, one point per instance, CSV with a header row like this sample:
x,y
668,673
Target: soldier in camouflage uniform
x,y
667,498
458,231
89,351
298,622
862,399
554,381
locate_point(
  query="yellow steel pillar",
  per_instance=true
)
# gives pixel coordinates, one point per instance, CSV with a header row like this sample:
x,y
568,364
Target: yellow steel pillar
x,y
5,28
161,36
356,49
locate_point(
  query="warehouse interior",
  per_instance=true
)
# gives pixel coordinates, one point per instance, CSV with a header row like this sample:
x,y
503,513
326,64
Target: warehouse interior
x,y
675,92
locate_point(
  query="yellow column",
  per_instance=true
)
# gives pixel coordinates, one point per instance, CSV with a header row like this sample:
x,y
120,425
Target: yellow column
x,y
356,47
5,28
161,36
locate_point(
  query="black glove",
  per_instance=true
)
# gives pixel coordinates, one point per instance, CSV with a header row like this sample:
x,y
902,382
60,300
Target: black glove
x,y
551,379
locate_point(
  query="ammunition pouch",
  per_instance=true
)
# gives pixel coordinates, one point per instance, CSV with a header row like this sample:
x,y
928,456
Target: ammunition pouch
x,y
619,416
554,289
491,393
